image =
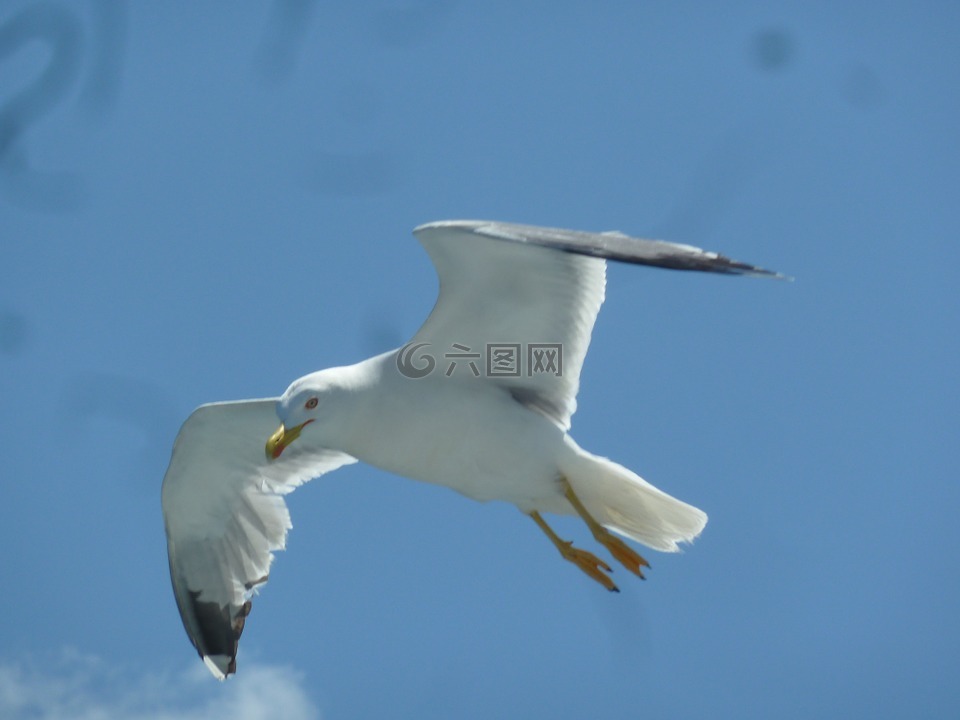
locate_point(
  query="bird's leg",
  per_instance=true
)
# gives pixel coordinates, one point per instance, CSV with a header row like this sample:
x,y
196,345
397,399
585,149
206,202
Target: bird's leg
x,y
588,562
626,555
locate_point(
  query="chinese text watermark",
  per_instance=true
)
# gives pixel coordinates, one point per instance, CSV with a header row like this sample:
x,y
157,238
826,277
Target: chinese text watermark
x,y
415,360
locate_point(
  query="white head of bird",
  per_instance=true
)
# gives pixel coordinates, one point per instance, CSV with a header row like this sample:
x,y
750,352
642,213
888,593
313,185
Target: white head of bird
x,y
307,401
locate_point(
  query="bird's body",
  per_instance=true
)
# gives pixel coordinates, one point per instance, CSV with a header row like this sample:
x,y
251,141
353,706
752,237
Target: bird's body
x,y
455,444
479,401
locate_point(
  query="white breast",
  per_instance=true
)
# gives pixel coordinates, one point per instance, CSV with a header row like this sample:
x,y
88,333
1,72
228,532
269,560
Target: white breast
x,y
469,437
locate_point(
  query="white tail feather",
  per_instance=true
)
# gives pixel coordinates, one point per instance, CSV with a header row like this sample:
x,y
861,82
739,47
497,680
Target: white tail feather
x,y
626,503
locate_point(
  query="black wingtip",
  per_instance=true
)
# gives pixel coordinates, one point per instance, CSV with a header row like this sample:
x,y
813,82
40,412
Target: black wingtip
x,y
715,263
215,632
740,268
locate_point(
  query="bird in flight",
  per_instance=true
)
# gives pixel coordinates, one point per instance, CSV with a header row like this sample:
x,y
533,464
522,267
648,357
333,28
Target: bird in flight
x,y
514,317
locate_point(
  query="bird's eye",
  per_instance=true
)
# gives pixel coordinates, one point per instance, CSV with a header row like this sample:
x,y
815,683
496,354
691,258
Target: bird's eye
x,y
311,403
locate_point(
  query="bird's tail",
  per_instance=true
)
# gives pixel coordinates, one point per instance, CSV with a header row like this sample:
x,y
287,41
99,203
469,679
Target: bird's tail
x,y
626,503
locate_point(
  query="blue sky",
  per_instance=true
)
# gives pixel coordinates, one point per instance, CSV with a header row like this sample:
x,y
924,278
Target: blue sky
x,y
208,200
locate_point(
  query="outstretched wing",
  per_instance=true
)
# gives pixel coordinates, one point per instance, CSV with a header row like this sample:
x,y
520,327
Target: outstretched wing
x,y
617,246
537,290
224,515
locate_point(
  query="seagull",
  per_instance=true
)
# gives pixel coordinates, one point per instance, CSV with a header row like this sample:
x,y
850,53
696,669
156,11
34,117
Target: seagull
x,y
479,401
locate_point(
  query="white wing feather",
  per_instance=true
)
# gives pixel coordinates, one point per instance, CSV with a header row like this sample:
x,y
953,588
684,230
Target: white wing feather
x,y
500,293
503,283
224,515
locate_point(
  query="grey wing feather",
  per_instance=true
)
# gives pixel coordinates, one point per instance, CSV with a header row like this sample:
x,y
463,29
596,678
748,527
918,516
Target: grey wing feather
x,y
613,246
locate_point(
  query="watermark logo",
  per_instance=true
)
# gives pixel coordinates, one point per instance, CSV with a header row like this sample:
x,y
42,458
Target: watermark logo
x,y
409,363
503,360
500,360
463,354
544,358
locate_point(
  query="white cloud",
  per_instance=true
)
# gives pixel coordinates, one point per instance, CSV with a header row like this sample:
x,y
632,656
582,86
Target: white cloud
x,y
72,686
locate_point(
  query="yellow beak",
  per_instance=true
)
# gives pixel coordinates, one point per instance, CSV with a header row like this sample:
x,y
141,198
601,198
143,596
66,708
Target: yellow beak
x,y
278,442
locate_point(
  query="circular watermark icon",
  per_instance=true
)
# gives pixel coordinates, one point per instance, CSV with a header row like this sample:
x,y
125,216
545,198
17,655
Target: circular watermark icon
x,y
414,365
